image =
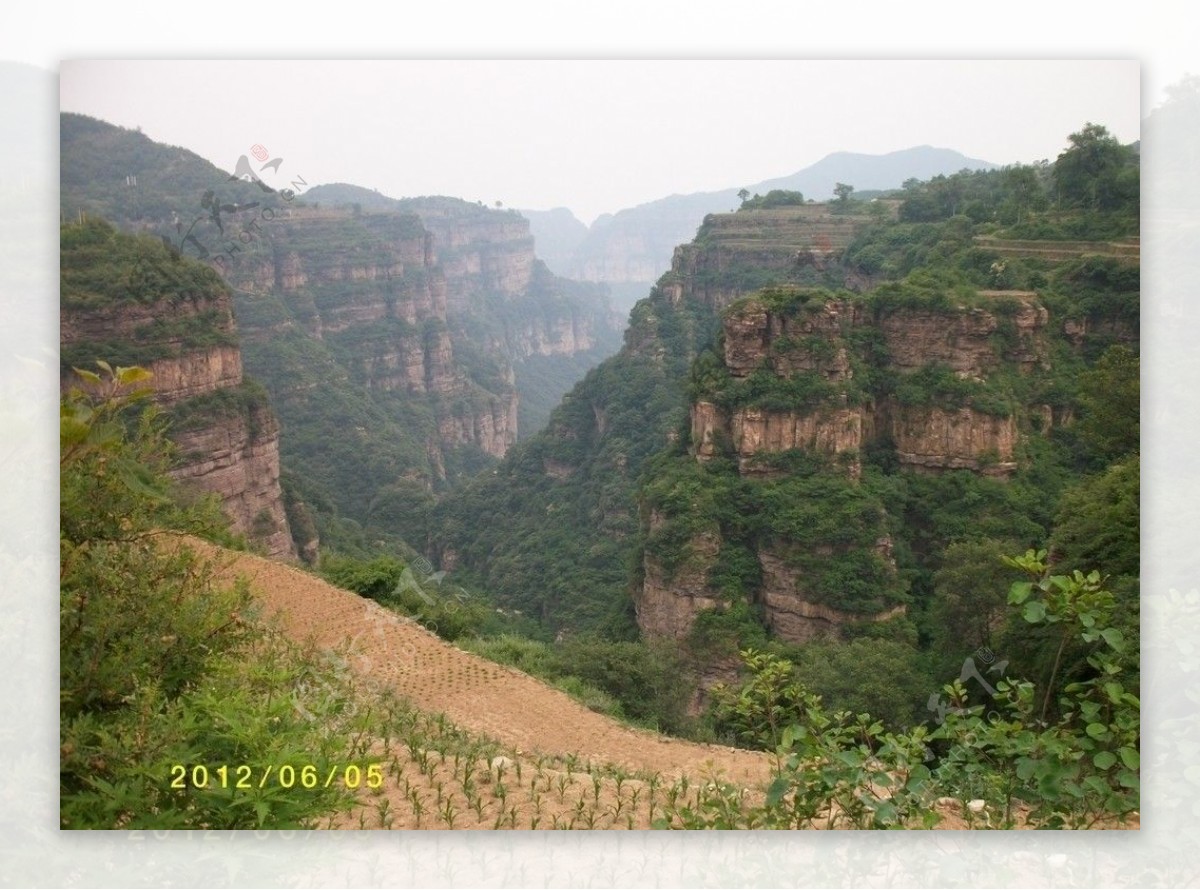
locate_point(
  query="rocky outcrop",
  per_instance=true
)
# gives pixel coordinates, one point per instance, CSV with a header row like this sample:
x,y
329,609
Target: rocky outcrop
x,y
792,613
238,460
229,444
481,252
965,340
1079,330
815,341
490,425
378,289
800,377
756,432
937,439
564,335
196,372
737,253
668,601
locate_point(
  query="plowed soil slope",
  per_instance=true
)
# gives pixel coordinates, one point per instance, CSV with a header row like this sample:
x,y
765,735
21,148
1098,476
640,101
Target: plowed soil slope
x,y
508,705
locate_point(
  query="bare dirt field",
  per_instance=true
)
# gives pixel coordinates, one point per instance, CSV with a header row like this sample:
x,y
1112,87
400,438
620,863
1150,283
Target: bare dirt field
x,y
551,762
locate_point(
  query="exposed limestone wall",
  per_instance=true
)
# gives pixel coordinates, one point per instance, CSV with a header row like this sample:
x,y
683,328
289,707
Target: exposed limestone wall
x,y
822,340
381,286
196,372
491,426
479,252
793,615
816,341
236,458
239,461
963,340
667,602
937,439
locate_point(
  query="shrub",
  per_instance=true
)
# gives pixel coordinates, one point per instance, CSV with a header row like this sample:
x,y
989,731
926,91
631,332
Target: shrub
x,y
162,669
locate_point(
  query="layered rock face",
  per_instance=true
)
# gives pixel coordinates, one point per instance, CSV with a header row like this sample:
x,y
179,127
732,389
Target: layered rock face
x,y
793,615
566,335
229,441
238,460
816,343
491,426
938,439
182,371
964,340
736,253
667,602
375,289
480,252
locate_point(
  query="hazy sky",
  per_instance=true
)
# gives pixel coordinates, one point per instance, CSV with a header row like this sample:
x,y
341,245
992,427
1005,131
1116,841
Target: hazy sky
x,y
597,136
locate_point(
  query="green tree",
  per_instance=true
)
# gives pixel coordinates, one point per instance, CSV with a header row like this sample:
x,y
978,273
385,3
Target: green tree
x,y
1023,192
1097,522
1109,401
883,678
1096,171
969,605
770,699
842,192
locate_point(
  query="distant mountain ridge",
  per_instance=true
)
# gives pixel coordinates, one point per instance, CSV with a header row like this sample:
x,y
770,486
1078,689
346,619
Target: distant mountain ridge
x,y
630,249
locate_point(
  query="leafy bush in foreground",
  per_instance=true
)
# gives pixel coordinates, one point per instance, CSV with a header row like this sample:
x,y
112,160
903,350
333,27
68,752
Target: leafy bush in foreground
x,y
843,770
161,666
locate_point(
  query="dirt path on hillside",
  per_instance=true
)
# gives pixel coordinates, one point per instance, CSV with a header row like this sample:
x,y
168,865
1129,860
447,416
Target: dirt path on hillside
x,y
479,695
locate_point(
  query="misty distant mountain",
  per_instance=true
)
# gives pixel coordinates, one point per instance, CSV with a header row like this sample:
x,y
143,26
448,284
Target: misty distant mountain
x,y
557,234
865,172
630,249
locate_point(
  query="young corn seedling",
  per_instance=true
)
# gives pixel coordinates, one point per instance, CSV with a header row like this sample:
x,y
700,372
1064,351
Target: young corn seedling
x,y
418,808
383,808
449,813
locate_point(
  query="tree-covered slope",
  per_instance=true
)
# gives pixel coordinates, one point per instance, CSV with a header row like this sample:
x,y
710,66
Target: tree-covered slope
x,y
565,547
570,548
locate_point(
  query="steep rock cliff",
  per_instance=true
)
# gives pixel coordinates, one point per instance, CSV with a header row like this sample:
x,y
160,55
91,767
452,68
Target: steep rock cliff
x,y
961,439
669,598
803,383
129,300
513,325
824,351
372,290
483,253
238,460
